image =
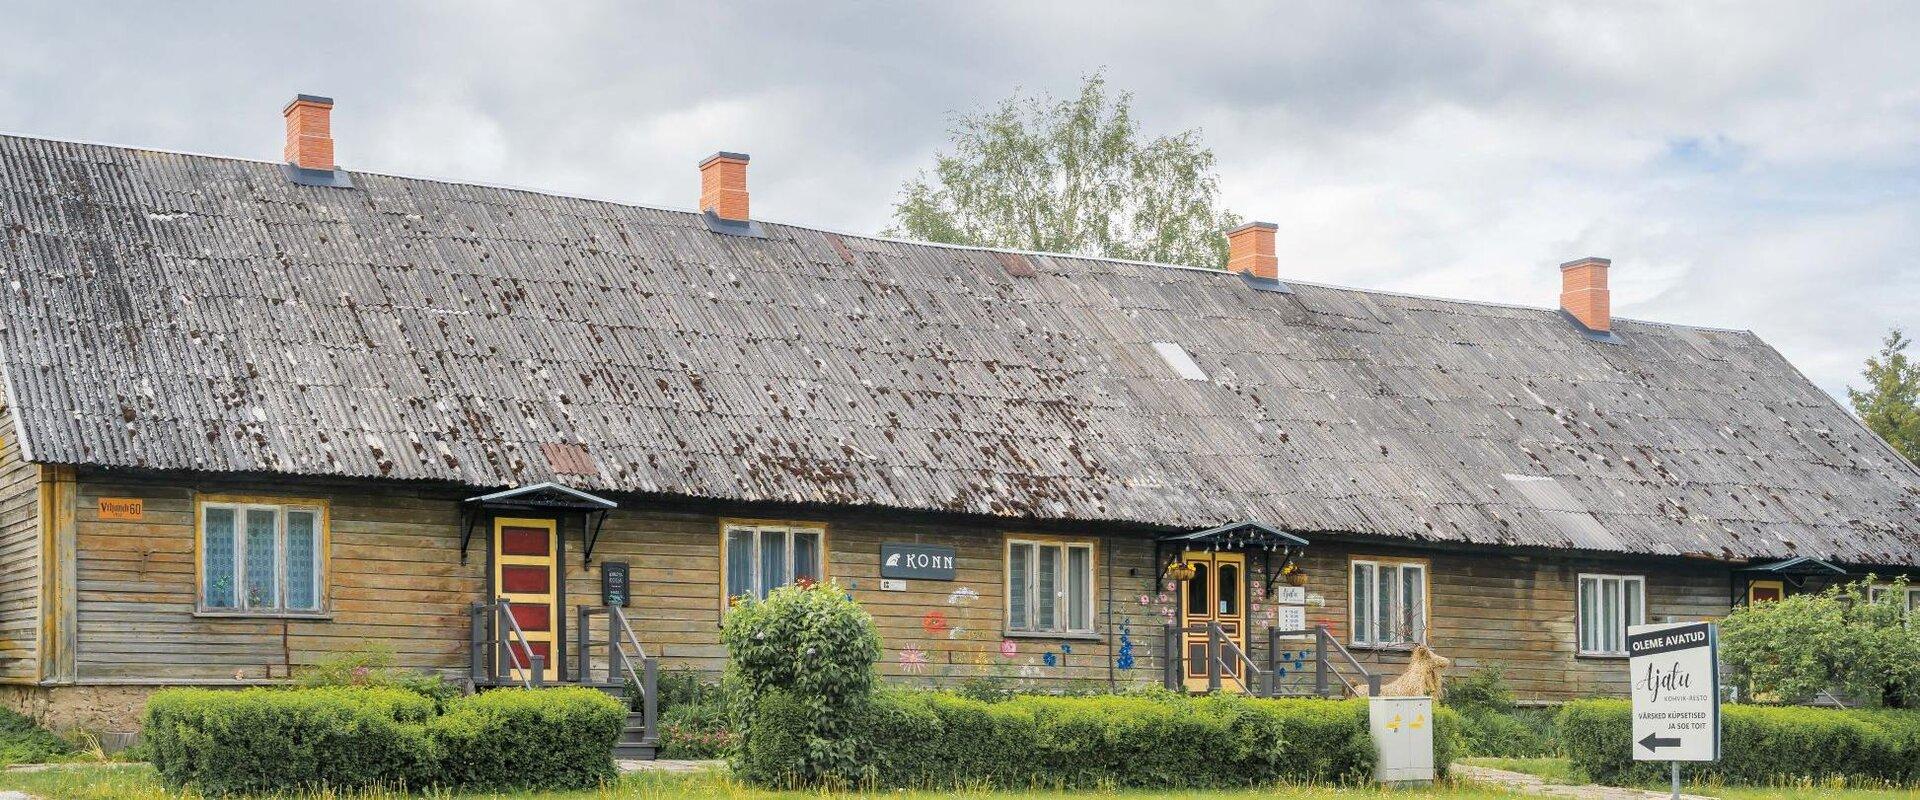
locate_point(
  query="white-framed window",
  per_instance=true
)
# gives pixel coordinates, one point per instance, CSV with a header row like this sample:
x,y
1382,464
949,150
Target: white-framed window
x,y
1388,603
1874,593
758,558
1606,605
1049,586
257,557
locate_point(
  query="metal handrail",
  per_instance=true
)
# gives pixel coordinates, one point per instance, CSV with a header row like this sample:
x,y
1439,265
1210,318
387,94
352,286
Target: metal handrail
x,y
1373,681
1228,646
503,608
616,613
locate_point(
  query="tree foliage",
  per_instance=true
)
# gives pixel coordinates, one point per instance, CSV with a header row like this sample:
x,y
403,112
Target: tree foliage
x,y
1070,176
1843,640
1890,405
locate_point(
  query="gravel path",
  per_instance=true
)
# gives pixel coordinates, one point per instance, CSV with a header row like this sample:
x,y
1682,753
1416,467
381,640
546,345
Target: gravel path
x,y
1532,784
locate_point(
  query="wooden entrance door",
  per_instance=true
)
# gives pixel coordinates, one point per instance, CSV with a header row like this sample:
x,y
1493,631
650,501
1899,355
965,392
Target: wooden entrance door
x,y
526,572
1217,593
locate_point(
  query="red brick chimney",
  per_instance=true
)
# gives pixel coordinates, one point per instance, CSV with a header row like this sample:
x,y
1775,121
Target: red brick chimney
x,y
723,185
1583,293
310,132
1250,250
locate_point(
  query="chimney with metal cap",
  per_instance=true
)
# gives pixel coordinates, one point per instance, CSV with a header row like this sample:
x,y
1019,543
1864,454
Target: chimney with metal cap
x,y
1584,295
310,132
723,186
1250,250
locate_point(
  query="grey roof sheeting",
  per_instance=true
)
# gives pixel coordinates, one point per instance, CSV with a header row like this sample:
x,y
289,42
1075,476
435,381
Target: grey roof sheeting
x,y
189,312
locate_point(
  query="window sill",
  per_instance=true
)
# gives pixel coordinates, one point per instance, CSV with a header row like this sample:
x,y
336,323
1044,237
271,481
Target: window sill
x,y
320,616
1604,656
1403,647
1057,635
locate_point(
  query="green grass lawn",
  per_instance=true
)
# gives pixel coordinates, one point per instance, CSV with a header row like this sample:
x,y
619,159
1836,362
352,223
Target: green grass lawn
x,y
139,783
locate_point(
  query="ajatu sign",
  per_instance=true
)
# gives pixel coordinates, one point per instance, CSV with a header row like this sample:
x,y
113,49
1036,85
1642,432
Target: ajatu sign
x,y
1676,691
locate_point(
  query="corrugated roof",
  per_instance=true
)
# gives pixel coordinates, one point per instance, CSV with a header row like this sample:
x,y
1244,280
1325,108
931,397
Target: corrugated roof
x,y
188,312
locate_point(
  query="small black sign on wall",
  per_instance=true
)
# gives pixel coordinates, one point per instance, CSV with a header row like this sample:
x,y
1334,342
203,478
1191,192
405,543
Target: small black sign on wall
x,y
927,562
613,583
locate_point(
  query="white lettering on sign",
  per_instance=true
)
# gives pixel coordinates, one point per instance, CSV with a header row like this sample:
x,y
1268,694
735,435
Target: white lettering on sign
x,y
920,561
1675,672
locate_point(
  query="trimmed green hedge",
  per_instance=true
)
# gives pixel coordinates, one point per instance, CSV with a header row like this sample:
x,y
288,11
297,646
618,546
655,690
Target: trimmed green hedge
x,y
261,740
559,738
345,739
934,740
1759,745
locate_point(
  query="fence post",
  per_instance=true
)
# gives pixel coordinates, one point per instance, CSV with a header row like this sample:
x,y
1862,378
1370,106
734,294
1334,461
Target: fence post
x,y
616,656
583,661
477,644
1214,664
1373,685
503,643
539,663
1320,661
649,701
1273,661
1170,676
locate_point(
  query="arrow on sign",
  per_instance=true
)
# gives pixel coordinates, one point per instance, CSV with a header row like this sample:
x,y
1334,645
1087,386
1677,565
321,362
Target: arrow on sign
x,y
1653,743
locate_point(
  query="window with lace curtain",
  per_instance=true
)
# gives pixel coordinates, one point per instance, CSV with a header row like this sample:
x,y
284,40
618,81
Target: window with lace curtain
x,y
257,557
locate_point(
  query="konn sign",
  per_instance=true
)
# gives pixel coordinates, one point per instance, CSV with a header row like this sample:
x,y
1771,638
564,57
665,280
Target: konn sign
x,y
927,562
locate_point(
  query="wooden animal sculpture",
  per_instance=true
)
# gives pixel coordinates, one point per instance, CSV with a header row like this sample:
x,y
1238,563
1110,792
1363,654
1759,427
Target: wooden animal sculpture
x,y
1422,678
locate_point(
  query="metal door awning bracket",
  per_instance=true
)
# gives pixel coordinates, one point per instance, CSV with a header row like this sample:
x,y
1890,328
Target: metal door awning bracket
x,y
1242,536
546,497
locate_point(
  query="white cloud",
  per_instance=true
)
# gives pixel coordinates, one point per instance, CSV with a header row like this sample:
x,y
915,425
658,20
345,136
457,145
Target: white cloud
x,y
1748,166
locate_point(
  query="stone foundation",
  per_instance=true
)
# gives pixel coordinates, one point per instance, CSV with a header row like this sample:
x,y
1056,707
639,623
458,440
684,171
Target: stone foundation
x,y
95,709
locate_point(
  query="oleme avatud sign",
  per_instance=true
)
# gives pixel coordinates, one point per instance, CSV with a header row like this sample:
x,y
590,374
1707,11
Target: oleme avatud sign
x,y
927,562
1676,691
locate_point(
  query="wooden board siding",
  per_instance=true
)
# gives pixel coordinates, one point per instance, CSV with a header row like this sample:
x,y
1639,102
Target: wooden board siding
x,y
19,559
1517,610
395,578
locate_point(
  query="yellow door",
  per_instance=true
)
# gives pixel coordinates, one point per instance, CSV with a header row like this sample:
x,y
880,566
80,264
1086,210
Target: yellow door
x,y
1217,593
526,573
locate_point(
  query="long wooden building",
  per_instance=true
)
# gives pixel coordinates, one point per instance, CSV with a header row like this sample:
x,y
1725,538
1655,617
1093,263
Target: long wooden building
x,y
258,414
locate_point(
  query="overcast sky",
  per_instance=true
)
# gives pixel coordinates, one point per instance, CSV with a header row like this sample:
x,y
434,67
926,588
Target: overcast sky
x,y
1744,166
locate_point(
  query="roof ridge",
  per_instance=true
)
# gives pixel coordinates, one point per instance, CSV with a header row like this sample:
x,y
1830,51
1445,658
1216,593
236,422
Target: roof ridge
x,y
871,236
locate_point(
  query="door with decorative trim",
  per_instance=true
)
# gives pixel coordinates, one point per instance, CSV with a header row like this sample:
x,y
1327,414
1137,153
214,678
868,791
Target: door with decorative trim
x,y
526,573
1216,593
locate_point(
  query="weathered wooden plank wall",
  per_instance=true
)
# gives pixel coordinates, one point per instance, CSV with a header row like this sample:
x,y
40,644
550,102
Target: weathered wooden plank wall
x,y
19,559
396,579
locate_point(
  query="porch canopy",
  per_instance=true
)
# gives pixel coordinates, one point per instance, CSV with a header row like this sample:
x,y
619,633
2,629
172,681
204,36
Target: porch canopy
x,y
547,497
1250,537
1793,571
1801,566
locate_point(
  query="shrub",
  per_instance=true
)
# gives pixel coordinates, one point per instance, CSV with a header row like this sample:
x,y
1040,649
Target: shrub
x,y
932,739
817,647
259,740
1839,639
558,738
695,730
347,739
372,666
1490,723
24,742
1761,745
